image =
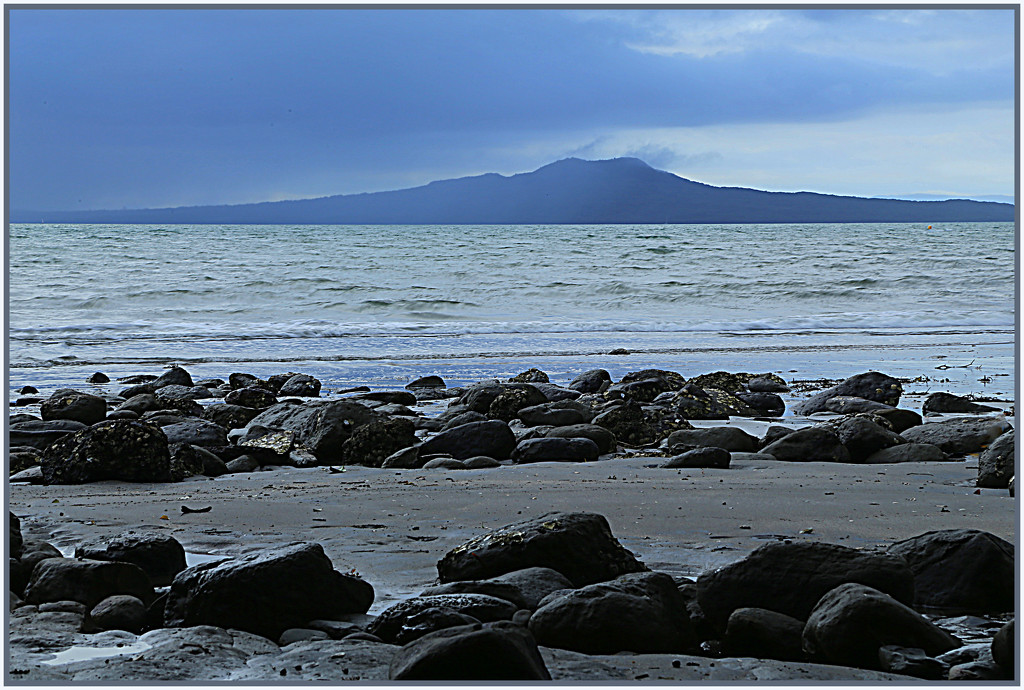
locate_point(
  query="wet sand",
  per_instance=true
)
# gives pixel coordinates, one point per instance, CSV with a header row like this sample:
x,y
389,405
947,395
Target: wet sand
x,y
392,526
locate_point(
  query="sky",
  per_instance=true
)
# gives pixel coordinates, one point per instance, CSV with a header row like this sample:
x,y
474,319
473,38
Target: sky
x,y
136,108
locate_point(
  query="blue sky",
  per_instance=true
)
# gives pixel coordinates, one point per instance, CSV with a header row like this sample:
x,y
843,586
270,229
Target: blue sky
x,y
112,108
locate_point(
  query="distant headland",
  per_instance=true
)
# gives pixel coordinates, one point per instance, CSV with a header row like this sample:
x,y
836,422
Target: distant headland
x,y
569,191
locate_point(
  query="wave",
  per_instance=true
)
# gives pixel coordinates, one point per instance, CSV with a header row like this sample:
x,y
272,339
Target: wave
x,y
428,324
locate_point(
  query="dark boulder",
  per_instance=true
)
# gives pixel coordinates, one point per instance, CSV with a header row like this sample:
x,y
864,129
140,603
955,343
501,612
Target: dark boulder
x,y
1004,649
70,404
119,612
498,651
722,380
578,545
764,634
230,416
996,463
462,418
492,438
673,380
426,382
14,539
555,414
910,661
848,404
942,403
507,404
265,593
853,622
790,578
555,450
524,588
629,424
404,459
960,571
300,385
710,458
642,391
533,375
907,452
767,383
389,624
388,397
85,581
21,458
694,402
812,444
322,426
637,612
604,438
431,620
863,438
871,385
899,419
478,398
139,403
122,449
764,404
959,436
160,556
556,393
239,380
371,444
251,396
39,434
730,438
196,432
592,381
186,461
175,376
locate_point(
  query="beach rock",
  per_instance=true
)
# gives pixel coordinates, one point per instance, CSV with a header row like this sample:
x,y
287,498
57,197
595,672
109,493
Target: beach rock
x,y
722,380
265,593
480,462
1004,649
532,375
426,382
21,458
730,438
242,464
498,651
629,424
764,634
321,426
119,612
123,414
591,381
960,570
556,393
404,459
70,404
185,461
230,416
636,612
911,662
388,397
391,621
251,396
694,402
173,376
300,635
899,419
301,385
959,436
431,620
372,443
160,556
463,418
444,463
791,578
126,450
863,438
848,404
604,438
140,389
764,404
507,404
140,404
27,390
871,385
642,391
33,551
524,588
942,403
478,398
555,450
196,432
996,463
981,670
578,545
239,380
492,438
672,380
85,581
767,383
554,414
41,434
907,452
811,444
712,458
853,622
14,539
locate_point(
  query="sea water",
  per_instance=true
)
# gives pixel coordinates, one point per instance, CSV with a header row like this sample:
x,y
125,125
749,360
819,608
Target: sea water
x,y
381,305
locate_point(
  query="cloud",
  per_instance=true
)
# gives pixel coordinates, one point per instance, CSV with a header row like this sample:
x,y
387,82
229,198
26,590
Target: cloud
x,y
656,153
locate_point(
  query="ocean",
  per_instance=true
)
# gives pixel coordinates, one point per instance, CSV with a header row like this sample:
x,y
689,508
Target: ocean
x,y
382,305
